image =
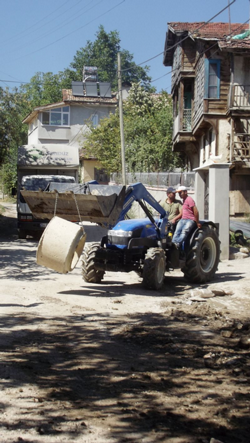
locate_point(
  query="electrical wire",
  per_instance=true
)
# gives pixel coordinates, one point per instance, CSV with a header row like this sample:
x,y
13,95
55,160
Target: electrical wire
x,y
72,32
124,70
35,24
203,52
185,38
62,24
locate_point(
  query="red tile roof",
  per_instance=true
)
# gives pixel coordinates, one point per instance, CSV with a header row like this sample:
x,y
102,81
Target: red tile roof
x,y
208,30
220,32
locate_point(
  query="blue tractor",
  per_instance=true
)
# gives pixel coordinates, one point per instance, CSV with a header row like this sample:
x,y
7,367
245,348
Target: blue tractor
x,y
145,246
142,245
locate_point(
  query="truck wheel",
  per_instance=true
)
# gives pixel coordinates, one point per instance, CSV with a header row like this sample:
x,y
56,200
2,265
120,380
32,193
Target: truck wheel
x,y
154,268
22,234
89,273
203,257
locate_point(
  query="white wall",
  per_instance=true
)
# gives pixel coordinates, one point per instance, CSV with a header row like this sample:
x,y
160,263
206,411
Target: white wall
x,y
224,130
68,134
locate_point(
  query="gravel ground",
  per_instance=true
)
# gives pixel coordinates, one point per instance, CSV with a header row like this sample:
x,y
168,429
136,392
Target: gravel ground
x,y
114,363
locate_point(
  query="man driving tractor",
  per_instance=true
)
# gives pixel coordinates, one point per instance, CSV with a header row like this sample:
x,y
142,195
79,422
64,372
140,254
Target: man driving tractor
x,y
189,217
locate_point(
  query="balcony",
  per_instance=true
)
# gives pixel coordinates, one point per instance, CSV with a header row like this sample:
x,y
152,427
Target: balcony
x,y
182,128
241,147
240,97
187,120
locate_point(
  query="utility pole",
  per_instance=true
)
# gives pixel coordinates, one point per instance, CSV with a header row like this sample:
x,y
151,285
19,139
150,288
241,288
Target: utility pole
x,y
121,118
229,18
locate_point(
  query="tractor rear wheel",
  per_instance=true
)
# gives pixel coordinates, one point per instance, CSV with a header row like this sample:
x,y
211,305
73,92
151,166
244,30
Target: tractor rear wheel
x,y
89,272
154,268
203,256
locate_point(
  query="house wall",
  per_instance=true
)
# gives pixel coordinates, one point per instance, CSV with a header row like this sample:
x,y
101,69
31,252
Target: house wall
x,y
241,70
239,202
88,169
221,105
189,55
33,135
198,106
223,141
176,65
71,134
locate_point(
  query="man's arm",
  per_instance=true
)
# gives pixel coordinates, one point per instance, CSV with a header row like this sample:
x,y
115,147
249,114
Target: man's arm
x,y
177,217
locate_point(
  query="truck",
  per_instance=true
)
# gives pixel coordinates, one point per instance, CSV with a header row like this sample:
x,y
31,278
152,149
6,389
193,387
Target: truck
x,y
26,223
37,166
142,245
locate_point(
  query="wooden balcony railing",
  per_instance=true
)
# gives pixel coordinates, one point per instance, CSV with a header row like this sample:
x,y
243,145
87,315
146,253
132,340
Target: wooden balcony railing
x,y
240,97
241,147
187,120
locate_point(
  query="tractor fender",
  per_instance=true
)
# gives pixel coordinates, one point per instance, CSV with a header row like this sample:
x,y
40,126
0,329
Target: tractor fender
x,y
203,223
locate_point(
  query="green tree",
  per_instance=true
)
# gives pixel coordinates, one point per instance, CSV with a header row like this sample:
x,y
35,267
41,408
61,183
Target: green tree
x,y
44,88
147,131
12,133
102,53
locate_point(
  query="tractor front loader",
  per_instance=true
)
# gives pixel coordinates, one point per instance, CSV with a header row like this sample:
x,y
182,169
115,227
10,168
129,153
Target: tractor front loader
x,y
141,245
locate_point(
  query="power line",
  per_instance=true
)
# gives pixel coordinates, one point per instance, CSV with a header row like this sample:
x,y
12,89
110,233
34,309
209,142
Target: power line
x,y
72,32
39,21
62,24
13,81
185,38
202,53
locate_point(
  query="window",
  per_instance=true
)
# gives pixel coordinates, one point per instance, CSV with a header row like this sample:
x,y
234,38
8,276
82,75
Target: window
x,y
212,78
56,117
95,120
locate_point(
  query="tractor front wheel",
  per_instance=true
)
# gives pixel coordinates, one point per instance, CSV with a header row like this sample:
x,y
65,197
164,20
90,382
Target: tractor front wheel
x,y
154,268
89,272
203,257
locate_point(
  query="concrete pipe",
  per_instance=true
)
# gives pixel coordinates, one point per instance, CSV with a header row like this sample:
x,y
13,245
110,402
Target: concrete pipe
x,y
61,245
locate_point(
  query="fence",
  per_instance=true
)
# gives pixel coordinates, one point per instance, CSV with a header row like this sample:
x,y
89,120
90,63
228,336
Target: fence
x,y
158,179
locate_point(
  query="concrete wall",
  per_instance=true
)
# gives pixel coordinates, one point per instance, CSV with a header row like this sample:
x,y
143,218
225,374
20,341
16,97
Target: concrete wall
x,y
88,169
239,202
224,130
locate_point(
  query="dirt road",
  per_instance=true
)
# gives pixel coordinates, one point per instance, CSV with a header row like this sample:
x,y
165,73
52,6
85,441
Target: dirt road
x,y
113,363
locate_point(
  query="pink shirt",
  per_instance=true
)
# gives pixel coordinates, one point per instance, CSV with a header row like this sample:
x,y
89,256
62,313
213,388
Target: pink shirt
x,y
188,209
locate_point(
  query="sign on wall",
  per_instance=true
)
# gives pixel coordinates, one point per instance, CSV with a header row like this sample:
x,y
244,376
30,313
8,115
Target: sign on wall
x,y
48,155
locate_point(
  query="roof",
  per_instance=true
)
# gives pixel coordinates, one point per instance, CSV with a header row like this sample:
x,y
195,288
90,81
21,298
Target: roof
x,y
220,32
68,98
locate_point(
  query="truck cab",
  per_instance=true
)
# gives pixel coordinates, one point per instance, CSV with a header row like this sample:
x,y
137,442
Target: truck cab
x,y
27,224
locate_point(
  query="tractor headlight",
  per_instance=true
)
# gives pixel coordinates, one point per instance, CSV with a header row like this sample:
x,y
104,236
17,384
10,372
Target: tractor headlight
x,y
119,233
119,237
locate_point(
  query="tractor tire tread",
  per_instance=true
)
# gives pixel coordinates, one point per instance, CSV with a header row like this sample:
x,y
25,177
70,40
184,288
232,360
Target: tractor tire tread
x,y
89,273
194,270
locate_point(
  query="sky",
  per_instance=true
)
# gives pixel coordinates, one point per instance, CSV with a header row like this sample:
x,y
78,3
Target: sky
x,y
44,36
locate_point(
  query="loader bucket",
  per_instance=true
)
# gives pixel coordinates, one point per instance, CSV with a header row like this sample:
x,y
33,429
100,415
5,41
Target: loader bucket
x,y
101,204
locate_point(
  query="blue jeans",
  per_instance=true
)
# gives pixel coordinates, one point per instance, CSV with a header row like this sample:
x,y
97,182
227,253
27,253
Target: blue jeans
x,y
182,230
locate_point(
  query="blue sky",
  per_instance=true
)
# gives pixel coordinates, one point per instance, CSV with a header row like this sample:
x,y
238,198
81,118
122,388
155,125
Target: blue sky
x,y
43,36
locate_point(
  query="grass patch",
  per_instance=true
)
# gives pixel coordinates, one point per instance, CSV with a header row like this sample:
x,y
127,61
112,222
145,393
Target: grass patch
x,y
246,218
235,244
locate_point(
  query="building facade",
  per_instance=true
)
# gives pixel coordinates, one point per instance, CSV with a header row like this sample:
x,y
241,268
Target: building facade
x,y
65,124
211,101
